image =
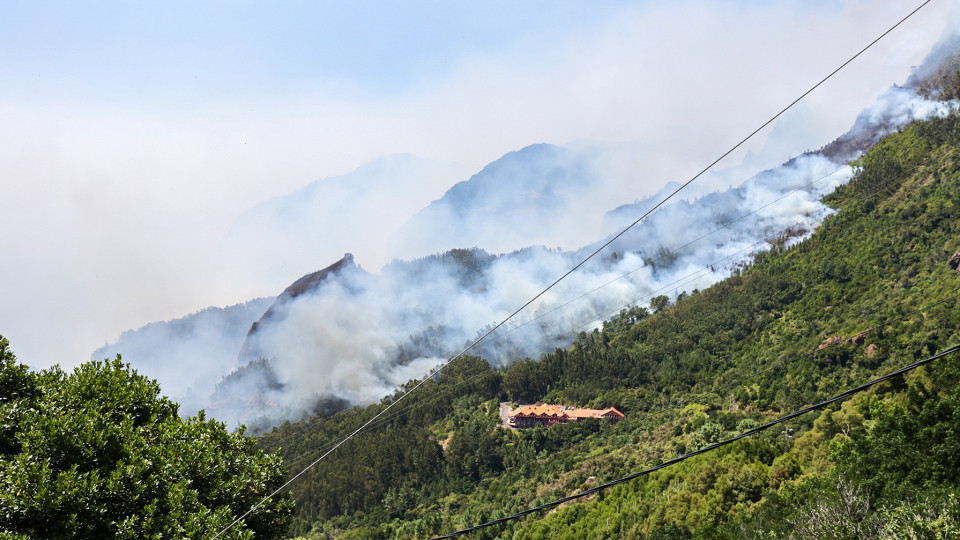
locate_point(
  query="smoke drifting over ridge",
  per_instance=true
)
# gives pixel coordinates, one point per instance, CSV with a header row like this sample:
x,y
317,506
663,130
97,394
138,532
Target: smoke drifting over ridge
x,y
356,336
524,198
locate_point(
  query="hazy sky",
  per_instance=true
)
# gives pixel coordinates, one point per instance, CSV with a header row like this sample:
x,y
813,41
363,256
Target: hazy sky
x,y
133,134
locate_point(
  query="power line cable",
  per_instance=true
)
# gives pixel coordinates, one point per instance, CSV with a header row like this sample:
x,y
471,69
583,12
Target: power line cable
x,y
681,281
692,277
580,264
709,448
689,278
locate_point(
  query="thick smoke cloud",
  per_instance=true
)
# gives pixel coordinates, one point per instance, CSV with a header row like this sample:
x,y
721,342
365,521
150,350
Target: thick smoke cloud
x,y
357,335
122,175
352,337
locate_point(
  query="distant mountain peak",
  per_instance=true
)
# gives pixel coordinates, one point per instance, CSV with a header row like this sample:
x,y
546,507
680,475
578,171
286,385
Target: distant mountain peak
x,y
519,200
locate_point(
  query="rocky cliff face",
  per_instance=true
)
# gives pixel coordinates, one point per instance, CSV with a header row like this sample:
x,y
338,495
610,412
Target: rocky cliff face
x,y
251,393
251,350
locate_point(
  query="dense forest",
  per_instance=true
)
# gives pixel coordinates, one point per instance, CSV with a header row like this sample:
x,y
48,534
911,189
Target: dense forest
x,y
872,290
99,453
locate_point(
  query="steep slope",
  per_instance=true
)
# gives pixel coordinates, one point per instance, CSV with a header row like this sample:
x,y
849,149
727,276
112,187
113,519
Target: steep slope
x,y
358,336
354,339
871,290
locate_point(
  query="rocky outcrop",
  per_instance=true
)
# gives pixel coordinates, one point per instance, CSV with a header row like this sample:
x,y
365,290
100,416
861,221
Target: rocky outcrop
x,y
310,282
829,342
954,261
858,339
250,352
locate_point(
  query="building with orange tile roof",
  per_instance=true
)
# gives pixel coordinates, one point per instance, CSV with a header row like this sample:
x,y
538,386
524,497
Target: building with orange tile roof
x,y
527,416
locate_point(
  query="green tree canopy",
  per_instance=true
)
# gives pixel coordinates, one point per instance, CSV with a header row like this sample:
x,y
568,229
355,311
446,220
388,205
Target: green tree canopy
x,y
98,453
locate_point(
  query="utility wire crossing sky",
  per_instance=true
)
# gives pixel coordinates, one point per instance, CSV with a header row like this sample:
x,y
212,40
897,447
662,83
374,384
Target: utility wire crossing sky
x,y
415,387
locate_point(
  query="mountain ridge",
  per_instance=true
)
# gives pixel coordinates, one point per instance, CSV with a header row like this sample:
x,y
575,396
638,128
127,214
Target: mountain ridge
x,y
354,340
523,189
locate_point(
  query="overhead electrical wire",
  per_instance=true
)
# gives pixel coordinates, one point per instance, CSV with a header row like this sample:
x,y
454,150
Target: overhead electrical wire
x,y
704,450
692,277
689,278
578,265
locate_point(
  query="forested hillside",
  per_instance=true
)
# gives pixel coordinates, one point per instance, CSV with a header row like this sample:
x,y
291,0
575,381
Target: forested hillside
x,y
872,290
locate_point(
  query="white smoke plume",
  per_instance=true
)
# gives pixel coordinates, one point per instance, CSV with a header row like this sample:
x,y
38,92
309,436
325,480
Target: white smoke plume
x,y
355,336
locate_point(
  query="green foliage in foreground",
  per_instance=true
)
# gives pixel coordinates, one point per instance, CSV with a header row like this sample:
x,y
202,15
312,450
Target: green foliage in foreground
x,y
97,453
867,293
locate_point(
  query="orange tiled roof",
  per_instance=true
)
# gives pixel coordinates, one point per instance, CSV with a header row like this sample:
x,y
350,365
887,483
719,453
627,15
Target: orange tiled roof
x,y
586,413
614,409
537,410
572,412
